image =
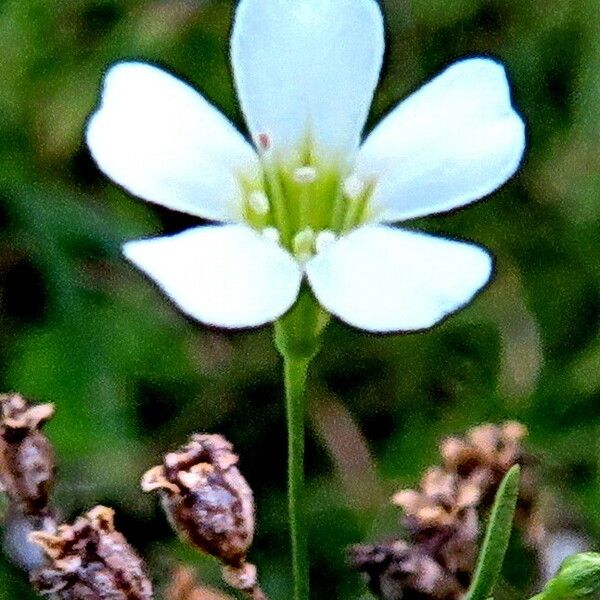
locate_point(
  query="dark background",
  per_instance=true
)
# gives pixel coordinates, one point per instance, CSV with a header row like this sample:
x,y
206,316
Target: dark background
x,y
131,377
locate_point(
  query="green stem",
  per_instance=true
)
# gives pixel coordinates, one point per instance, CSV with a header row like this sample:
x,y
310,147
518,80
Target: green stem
x,y
295,371
297,337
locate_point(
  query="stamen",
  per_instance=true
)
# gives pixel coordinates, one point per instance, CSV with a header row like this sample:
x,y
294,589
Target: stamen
x,y
303,244
353,187
259,203
305,174
324,238
272,234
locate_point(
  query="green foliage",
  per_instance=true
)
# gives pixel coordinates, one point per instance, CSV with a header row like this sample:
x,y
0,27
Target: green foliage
x,y
497,536
131,377
577,579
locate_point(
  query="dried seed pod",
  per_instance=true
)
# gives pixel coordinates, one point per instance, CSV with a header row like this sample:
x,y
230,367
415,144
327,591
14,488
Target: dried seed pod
x,y
485,454
27,465
209,503
399,571
90,560
442,517
441,500
206,498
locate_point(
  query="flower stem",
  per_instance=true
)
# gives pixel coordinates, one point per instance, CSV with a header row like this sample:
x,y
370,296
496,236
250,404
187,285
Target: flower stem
x,y
295,371
297,337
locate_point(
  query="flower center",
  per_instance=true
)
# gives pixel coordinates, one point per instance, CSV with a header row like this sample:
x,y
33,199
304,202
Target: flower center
x,y
306,203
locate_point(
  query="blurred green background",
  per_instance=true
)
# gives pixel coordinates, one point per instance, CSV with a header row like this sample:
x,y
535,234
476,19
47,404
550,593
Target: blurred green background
x,y
131,377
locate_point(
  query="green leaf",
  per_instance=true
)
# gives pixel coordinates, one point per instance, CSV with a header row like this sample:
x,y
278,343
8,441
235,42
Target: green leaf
x,y
496,539
578,577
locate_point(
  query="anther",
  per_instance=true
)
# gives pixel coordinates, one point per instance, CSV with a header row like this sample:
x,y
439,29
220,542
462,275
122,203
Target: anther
x,y
305,174
264,141
304,244
353,187
324,239
272,234
259,203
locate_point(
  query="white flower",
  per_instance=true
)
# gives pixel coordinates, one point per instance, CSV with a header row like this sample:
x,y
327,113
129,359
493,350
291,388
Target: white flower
x,y
307,199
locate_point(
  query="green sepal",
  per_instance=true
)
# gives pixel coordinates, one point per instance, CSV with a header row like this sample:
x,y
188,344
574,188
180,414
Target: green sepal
x,y
298,332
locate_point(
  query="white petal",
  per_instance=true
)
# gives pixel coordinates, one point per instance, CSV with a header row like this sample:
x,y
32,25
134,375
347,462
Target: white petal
x,y
160,140
452,142
223,275
383,279
303,65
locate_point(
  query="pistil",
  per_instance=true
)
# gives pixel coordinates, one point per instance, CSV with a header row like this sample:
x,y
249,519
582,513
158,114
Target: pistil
x,y
305,205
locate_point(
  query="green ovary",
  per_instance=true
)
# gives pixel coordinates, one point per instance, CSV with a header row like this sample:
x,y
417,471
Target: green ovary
x,y
305,205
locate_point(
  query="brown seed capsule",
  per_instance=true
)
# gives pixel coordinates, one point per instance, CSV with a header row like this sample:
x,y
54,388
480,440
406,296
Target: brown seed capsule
x,y
442,518
485,454
400,571
90,560
206,498
27,464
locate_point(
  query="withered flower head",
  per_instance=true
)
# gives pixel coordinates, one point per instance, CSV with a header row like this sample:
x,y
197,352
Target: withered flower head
x,y
442,518
90,560
27,464
397,571
206,498
485,454
442,498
